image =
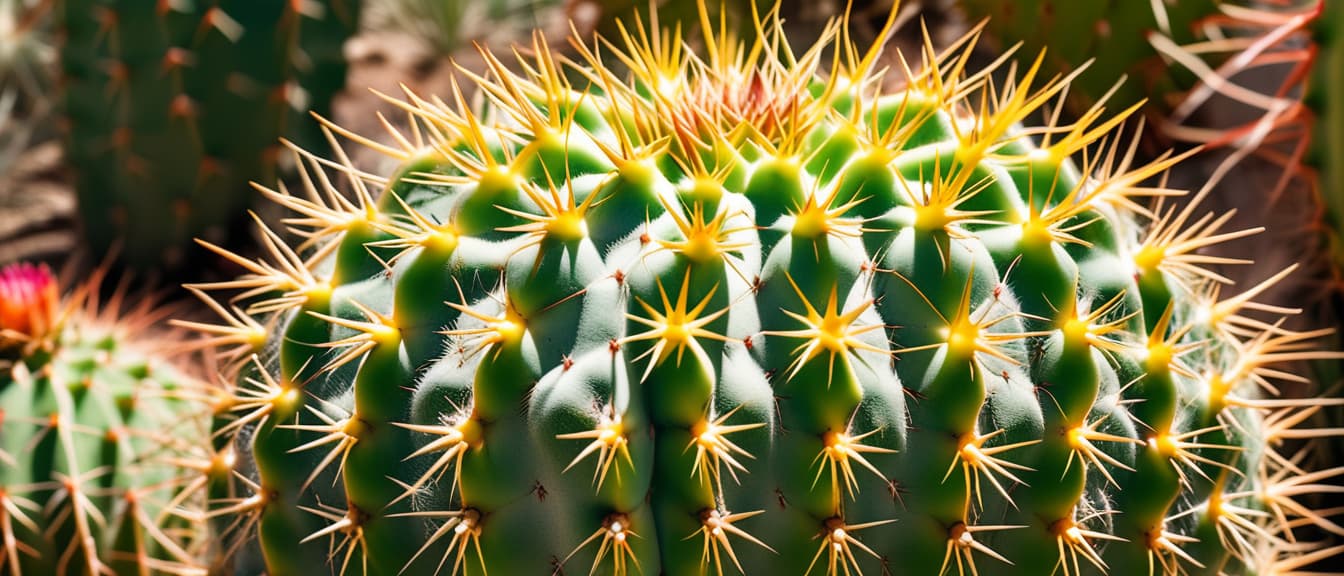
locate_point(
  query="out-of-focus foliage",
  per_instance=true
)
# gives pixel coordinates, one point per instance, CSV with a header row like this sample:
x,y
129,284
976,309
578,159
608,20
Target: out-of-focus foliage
x,y
447,25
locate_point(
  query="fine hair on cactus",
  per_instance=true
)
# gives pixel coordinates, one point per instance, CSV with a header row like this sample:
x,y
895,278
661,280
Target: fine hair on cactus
x,y
757,309
101,464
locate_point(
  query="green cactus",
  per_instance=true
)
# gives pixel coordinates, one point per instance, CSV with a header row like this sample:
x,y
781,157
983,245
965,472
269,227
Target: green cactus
x,y
748,314
1296,121
99,440
1327,105
174,107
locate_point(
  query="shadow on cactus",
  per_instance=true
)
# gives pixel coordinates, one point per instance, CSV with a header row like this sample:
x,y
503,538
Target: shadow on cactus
x,y
101,437
772,310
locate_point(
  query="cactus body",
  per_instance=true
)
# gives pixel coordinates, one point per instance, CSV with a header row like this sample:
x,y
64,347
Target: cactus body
x,y
174,107
99,438
729,317
1325,74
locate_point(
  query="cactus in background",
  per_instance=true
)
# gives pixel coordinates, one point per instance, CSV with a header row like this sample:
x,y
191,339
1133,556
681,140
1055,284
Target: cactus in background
x,y
1280,63
756,313
1293,115
99,436
174,107
1111,34
1326,102
1297,123
15,132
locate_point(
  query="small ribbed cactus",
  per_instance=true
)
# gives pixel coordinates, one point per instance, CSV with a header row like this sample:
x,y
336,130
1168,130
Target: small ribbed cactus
x,y
100,437
766,311
173,107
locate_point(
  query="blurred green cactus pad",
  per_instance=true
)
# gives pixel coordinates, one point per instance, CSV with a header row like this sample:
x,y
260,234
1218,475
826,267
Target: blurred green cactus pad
x,y
174,107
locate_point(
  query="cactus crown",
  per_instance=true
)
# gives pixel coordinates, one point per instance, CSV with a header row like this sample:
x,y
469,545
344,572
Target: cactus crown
x,y
762,311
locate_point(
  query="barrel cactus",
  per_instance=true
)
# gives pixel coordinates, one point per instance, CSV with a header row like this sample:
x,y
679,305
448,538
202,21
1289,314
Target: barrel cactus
x,y
100,436
174,107
769,311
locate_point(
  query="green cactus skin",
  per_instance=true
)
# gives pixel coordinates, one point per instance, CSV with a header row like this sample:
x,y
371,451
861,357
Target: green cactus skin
x,y
1111,34
175,107
1329,104
98,442
728,317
